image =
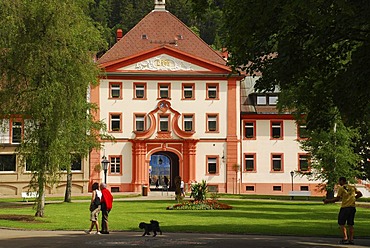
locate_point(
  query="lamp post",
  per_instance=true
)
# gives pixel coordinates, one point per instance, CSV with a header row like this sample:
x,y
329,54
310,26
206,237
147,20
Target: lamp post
x,y
105,163
292,174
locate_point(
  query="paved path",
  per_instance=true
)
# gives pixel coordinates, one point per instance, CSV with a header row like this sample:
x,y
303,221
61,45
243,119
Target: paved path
x,y
58,239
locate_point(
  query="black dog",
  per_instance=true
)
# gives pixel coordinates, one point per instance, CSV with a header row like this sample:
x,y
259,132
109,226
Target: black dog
x,y
153,226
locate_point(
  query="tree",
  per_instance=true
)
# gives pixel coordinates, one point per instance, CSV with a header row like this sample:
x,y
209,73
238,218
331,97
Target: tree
x,y
331,155
318,50
46,63
208,18
100,12
314,52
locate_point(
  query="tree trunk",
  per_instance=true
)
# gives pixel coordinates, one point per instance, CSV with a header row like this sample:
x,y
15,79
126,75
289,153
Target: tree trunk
x,y
329,194
177,188
40,201
68,194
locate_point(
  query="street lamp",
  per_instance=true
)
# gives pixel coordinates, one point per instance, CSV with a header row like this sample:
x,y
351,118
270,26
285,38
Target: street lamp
x,y
105,163
292,174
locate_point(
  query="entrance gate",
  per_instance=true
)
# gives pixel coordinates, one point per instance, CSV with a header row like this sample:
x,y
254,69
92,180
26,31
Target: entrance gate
x,y
163,169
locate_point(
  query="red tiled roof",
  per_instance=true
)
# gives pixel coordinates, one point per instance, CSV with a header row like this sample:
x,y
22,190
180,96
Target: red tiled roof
x,y
161,28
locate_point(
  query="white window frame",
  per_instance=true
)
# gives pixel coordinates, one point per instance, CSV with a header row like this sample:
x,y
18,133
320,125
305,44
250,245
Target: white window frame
x,y
17,125
279,158
165,90
273,99
114,165
139,88
211,161
115,88
212,91
115,119
164,120
188,88
139,121
188,119
261,100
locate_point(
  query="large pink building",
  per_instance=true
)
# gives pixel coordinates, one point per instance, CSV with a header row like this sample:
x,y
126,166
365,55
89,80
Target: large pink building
x,y
176,109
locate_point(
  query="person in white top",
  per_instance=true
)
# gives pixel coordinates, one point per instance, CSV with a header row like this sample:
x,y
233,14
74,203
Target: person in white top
x,y
182,185
95,208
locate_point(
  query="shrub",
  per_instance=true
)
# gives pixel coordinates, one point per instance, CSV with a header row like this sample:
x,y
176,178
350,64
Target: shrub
x,y
199,191
200,205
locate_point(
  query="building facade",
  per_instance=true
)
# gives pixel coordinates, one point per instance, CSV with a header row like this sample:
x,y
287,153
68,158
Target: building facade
x,y
166,96
175,109
15,176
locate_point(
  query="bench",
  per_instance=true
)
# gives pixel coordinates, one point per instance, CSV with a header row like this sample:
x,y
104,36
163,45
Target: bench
x,y
299,193
28,195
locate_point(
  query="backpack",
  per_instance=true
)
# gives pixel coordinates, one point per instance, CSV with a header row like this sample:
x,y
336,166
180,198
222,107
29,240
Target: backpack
x,y
95,204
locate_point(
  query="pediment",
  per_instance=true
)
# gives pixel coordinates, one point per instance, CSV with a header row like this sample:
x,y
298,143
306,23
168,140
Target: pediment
x,y
163,62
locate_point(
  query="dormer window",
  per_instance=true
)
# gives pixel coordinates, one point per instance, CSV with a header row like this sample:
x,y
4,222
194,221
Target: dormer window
x,y
144,37
261,100
266,99
273,100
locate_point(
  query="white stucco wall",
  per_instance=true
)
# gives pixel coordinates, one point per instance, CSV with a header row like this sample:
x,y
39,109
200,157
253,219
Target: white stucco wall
x,y
210,143
115,149
199,107
263,146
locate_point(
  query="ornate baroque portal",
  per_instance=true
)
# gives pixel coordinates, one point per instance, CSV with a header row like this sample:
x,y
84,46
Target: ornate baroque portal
x,y
172,142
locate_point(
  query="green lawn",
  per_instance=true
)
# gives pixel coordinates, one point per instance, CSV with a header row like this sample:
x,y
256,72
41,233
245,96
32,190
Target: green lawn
x,y
300,218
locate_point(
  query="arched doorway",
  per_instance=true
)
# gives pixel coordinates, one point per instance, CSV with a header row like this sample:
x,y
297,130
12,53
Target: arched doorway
x,y
163,165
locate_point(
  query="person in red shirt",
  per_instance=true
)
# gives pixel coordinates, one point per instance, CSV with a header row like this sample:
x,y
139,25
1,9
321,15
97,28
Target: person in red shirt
x,y
106,206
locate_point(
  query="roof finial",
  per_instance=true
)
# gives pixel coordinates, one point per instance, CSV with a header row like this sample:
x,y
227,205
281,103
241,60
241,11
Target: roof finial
x,y
160,5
